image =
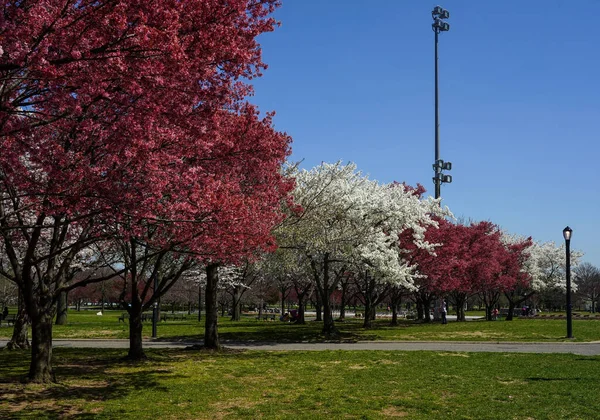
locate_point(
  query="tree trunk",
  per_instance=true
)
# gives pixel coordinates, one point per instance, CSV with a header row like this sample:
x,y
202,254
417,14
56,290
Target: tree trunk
x,y
369,309
420,312
394,315
199,302
342,309
329,328
211,333
427,312
458,300
319,308
343,302
300,319
136,350
236,313
19,338
61,309
40,368
511,310
488,312
395,302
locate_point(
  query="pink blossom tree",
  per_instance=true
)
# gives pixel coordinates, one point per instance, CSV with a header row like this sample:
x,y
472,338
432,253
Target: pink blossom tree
x,y
130,115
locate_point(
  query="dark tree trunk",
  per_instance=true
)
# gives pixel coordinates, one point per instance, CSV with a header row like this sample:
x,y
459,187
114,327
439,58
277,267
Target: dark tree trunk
x,y
300,319
343,300
318,308
396,300
511,310
283,296
324,290
61,309
329,328
236,313
488,312
136,350
458,299
515,299
420,312
19,338
369,312
40,368
394,316
302,293
199,302
342,308
367,294
490,300
426,305
211,333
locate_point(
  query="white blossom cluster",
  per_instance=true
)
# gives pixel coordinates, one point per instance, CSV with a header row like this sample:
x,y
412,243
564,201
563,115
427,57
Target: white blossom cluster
x,y
545,263
357,221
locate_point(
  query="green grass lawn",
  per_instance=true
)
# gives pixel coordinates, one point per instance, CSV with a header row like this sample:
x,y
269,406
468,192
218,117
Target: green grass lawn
x,y
178,384
86,324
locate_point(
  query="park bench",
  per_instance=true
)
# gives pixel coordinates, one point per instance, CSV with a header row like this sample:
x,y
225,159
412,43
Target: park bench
x,y
174,317
10,319
145,317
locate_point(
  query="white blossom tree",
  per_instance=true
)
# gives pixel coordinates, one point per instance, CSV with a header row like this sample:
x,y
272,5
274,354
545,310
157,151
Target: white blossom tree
x,y
346,220
545,264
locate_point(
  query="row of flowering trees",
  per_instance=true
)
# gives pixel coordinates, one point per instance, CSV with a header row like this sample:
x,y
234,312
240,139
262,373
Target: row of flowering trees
x,y
128,145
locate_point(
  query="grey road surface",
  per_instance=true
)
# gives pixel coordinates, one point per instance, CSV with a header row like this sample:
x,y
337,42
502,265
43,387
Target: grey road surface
x,y
587,349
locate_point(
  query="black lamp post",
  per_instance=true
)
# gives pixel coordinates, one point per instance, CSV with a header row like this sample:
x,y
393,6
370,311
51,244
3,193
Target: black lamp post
x,y
155,309
567,235
439,14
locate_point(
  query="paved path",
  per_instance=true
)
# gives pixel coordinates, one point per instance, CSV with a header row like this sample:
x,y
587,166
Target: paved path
x,y
588,349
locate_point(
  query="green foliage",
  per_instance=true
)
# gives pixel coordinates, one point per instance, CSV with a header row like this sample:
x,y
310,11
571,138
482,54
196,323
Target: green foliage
x,y
304,385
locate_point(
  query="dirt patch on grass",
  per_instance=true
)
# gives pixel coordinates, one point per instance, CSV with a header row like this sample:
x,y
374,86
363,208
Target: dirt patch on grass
x,y
357,367
511,382
224,409
454,354
393,412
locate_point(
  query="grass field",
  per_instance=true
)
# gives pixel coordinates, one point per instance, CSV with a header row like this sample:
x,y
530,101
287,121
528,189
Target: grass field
x,y
178,384
87,324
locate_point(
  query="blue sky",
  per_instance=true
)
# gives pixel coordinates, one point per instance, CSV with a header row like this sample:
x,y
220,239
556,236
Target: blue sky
x,y
352,80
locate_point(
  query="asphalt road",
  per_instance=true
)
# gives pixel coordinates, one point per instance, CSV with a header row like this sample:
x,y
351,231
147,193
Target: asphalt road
x,y
587,349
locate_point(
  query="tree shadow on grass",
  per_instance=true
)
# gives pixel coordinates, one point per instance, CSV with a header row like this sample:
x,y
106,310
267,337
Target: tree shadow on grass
x,y
541,379
83,377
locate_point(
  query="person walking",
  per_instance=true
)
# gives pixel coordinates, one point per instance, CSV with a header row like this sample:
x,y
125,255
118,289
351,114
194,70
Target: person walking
x,y
444,312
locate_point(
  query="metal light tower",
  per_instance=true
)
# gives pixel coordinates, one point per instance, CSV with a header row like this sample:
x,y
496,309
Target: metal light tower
x,y
439,14
567,235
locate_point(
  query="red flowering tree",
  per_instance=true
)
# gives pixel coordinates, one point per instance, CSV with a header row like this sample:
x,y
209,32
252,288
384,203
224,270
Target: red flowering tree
x,y
130,115
468,259
497,267
439,270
